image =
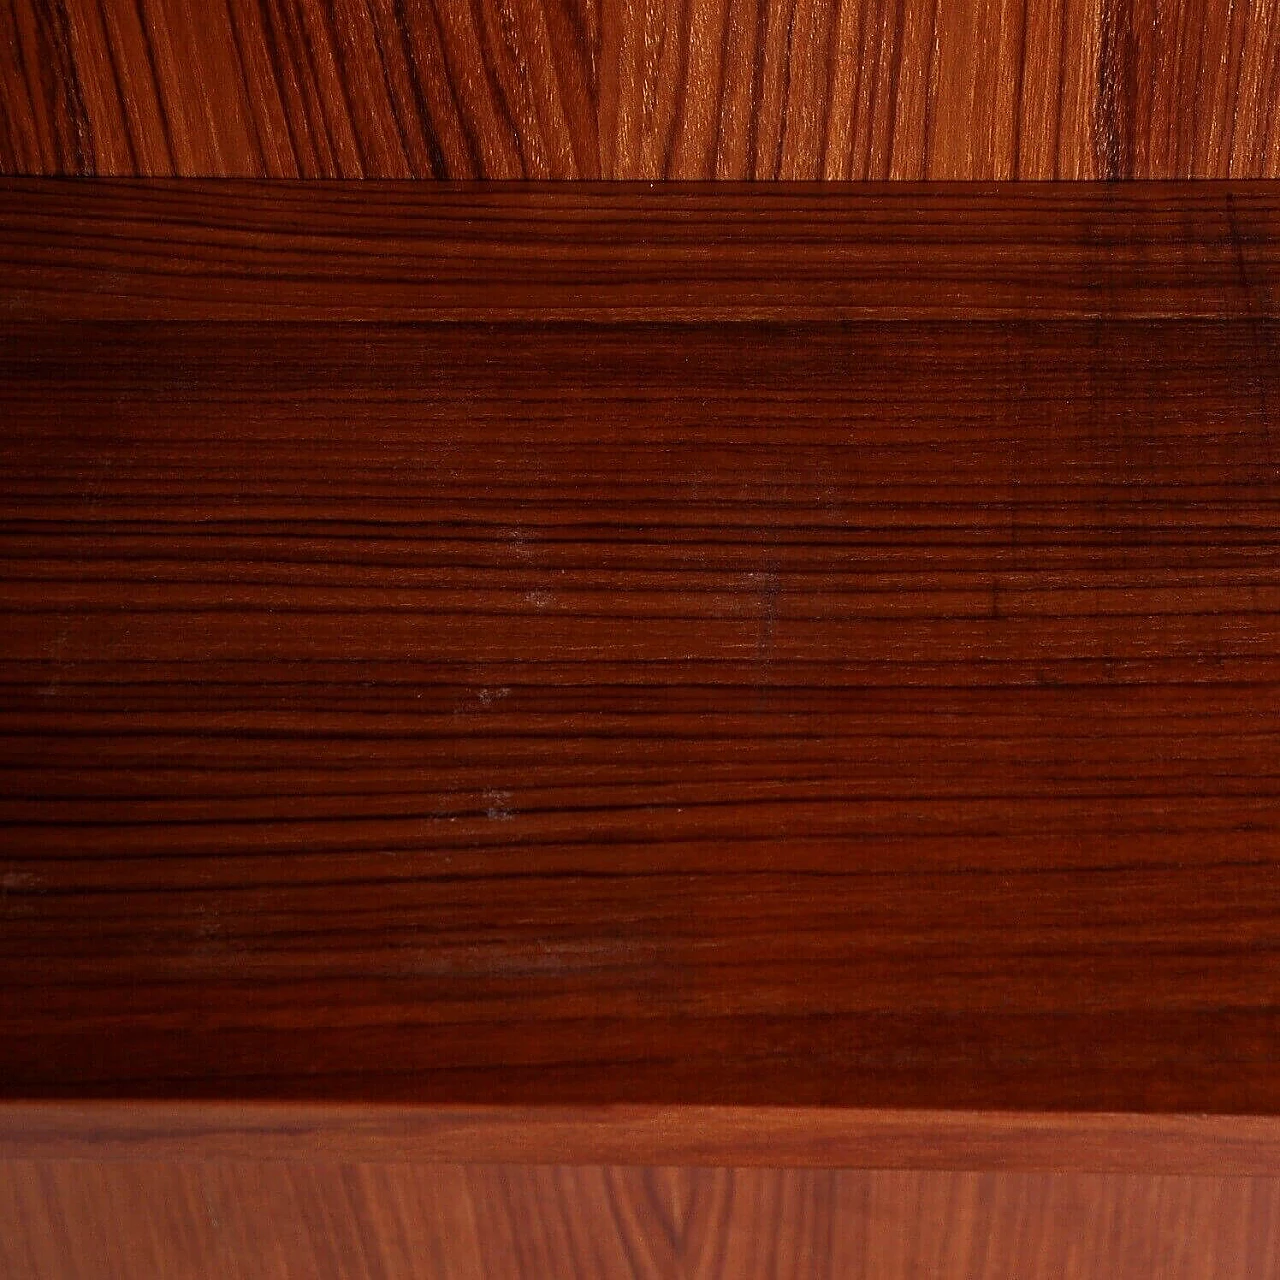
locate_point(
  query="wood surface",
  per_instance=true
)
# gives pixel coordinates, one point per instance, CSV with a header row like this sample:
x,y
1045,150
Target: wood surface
x,y
859,714
812,252
244,1221
679,652
641,89
83,1130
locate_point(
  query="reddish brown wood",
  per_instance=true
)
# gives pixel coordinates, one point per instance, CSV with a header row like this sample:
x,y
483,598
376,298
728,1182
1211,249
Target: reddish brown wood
x,y
641,89
604,252
847,714
361,1222
816,1137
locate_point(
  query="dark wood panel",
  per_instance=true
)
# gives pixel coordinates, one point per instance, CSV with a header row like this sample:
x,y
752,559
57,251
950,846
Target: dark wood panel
x,y
397,252
796,89
144,1221
845,714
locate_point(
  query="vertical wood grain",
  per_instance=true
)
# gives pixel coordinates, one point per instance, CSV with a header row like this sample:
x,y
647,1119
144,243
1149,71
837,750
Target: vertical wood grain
x,y
641,89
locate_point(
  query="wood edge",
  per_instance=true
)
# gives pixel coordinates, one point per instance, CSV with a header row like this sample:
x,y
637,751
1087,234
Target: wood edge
x,y
675,1135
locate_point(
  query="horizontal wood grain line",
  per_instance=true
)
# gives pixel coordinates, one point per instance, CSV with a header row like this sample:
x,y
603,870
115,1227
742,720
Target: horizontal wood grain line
x,y
369,251
687,1135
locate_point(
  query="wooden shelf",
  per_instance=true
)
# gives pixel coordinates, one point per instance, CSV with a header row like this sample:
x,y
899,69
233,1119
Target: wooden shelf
x,y
475,647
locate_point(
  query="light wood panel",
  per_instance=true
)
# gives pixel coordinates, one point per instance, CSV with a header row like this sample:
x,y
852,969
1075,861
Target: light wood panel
x,y
128,1221
641,89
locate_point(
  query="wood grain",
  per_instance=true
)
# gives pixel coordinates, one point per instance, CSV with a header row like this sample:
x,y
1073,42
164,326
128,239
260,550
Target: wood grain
x,y
148,1221
812,714
78,1129
641,89
396,252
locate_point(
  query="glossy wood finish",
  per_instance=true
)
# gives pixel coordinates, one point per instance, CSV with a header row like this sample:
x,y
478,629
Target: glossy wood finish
x,y
449,1222
396,252
855,714
641,89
